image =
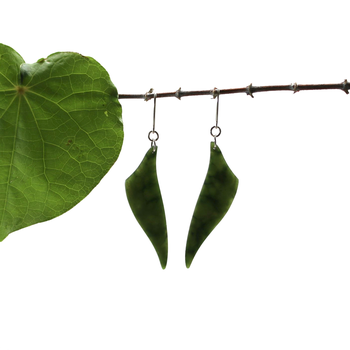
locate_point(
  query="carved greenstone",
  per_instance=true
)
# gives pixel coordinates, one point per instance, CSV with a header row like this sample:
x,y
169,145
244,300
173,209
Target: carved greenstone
x,y
215,199
145,200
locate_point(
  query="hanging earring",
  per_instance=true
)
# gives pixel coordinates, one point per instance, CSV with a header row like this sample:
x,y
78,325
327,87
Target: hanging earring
x,y
216,196
145,199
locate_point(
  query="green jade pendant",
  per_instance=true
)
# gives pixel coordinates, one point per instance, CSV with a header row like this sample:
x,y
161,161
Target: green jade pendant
x,y
145,200
217,194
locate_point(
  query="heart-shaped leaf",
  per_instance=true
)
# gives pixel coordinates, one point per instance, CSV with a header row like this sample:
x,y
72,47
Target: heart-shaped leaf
x,y
60,132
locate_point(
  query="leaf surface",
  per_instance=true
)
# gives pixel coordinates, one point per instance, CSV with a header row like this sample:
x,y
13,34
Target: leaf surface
x,y
61,131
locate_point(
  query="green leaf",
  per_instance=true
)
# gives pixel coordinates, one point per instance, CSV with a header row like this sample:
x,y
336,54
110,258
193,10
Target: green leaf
x,y
61,130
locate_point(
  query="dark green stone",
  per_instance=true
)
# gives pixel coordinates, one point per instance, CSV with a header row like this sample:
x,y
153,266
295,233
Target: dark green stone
x,y
145,199
217,194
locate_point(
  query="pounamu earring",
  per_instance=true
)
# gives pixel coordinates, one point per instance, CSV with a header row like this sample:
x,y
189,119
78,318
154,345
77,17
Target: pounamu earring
x,y
145,199
216,196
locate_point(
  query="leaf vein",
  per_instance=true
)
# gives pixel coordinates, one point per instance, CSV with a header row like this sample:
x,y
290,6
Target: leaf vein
x,y
11,162
43,145
60,76
8,79
60,107
8,107
82,92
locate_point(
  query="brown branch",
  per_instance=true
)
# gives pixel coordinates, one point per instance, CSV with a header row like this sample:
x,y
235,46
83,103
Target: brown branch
x,y
249,90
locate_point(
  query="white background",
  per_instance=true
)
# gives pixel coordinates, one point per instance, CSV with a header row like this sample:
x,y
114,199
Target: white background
x,y
274,274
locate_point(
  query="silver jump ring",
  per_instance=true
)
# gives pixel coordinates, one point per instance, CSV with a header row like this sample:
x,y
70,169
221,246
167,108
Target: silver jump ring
x,y
211,131
153,132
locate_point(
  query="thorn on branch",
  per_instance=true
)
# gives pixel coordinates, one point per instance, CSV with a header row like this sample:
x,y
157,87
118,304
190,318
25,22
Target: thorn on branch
x,y
147,97
215,92
178,93
346,86
294,87
249,90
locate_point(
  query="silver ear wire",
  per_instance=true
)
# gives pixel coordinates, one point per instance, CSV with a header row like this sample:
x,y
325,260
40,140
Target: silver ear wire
x,y
153,131
216,94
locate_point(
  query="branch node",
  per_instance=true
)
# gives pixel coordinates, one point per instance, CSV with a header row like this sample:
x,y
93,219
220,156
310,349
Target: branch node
x,y
215,92
249,90
346,86
294,87
178,93
146,96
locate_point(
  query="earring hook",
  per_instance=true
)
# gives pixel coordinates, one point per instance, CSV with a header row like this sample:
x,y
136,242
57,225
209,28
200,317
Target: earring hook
x,y
153,131
154,111
216,94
